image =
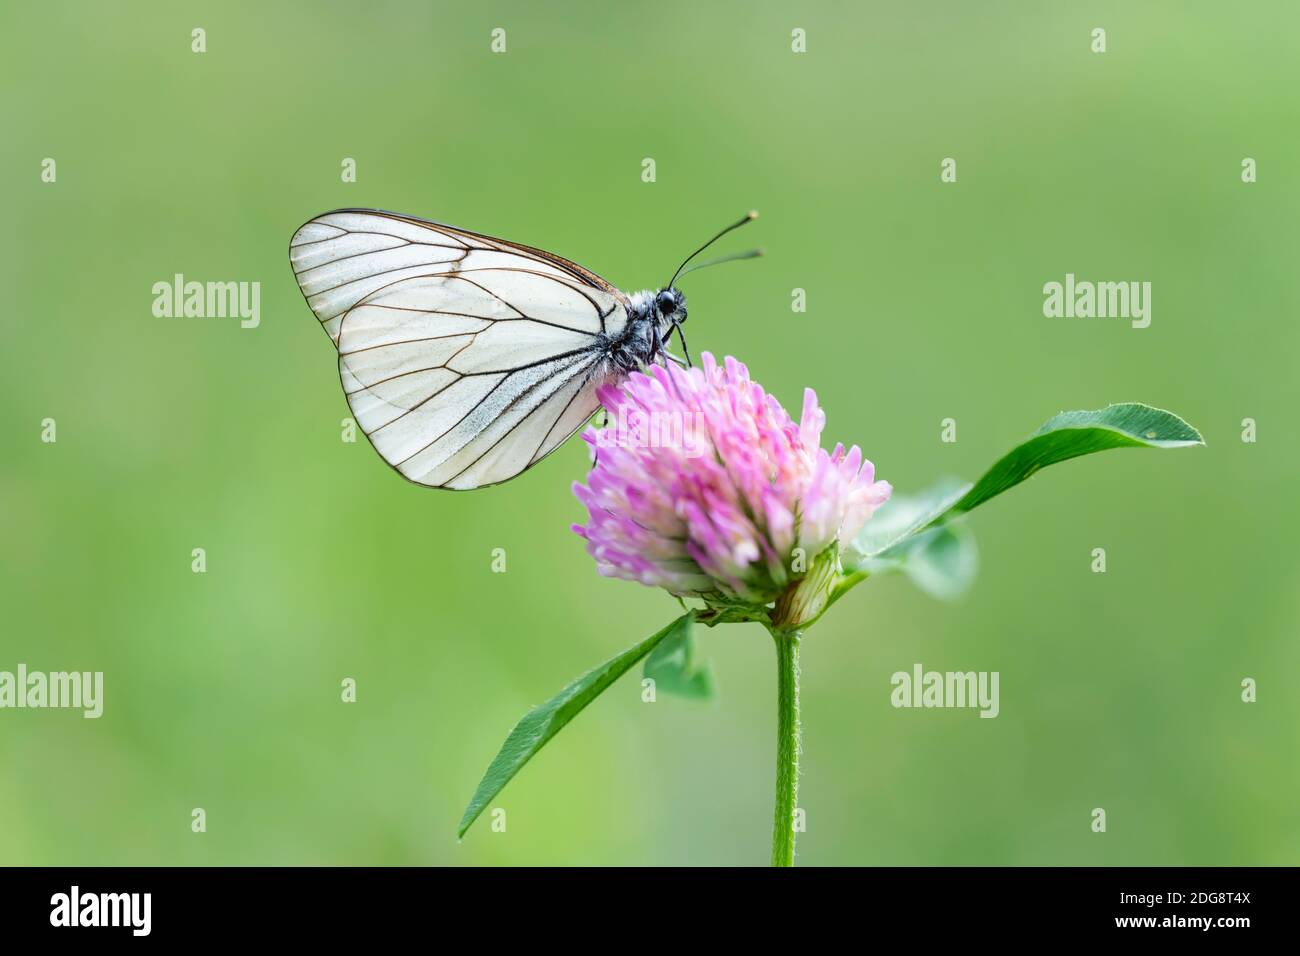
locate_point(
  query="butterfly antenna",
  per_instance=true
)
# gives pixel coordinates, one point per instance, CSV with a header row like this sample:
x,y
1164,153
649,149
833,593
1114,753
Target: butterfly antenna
x,y
749,217
734,257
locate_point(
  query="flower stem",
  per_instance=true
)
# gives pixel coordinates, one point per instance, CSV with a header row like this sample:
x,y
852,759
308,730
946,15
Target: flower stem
x,y
787,745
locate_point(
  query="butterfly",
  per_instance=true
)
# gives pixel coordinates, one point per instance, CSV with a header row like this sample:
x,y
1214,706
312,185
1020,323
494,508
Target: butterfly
x,y
466,359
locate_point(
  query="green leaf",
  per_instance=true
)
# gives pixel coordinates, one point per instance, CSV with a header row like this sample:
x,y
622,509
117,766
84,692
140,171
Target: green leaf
x,y
904,533
546,720
940,561
674,668
902,516
1073,434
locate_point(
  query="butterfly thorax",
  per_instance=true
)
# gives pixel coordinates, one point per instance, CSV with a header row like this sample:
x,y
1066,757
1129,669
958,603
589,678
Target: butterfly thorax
x,y
651,316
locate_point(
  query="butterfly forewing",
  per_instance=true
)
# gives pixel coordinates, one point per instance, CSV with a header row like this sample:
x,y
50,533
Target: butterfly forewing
x,y
465,359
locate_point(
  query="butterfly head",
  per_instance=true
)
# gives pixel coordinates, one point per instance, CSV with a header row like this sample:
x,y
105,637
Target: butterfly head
x,y
671,306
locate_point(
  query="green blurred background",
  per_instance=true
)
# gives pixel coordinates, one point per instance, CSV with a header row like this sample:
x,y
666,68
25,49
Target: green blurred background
x,y
222,690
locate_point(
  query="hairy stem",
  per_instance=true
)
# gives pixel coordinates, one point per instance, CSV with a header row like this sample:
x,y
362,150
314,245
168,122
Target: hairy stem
x,y
787,745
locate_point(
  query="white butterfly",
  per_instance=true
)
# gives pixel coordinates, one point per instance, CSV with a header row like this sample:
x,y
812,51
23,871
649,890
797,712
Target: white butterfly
x,y
466,359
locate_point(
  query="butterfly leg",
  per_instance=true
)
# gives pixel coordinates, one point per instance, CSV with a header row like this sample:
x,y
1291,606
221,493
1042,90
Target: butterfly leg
x,y
662,353
682,336
661,349
657,351
595,449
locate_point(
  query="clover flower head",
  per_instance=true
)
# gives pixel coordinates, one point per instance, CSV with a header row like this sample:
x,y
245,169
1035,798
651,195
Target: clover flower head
x,y
702,484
